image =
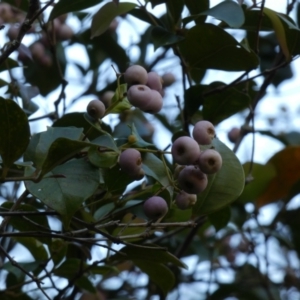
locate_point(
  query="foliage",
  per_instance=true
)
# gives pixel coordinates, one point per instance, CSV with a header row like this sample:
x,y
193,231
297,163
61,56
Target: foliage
x,y
79,215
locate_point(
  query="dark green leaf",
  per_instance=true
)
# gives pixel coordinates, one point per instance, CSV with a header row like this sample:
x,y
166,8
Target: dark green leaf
x,y
40,143
106,14
196,7
147,255
193,98
105,141
85,284
175,8
208,46
221,106
227,11
220,218
76,181
144,16
9,64
65,6
166,279
102,158
155,168
14,132
163,37
223,187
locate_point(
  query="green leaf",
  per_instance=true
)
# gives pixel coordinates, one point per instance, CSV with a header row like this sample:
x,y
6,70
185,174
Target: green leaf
x,y
147,255
105,141
223,187
60,150
69,268
175,8
166,279
85,284
221,106
145,16
193,98
58,250
65,195
9,64
220,218
195,8
34,246
14,132
66,6
119,102
106,14
279,31
155,168
24,224
163,37
262,175
139,143
102,158
40,143
229,12
207,46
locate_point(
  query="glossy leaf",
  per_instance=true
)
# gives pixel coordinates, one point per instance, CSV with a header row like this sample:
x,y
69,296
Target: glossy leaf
x,y
38,148
166,279
76,181
229,12
223,187
286,163
14,132
221,106
65,6
208,46
106,14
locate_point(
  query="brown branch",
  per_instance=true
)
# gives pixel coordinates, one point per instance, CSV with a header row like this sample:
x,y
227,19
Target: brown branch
x,y
33,13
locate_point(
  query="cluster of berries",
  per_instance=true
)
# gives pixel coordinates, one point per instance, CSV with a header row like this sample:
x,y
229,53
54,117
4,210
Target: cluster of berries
x,y
145,92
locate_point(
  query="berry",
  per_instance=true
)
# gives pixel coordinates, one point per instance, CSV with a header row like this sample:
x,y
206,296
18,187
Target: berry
x,y
154,81
192,180
234,134
185,151
64,32
155,207
184,200
96,109
204,132
210,161
144,98
168,79
38,50
131,163
136,75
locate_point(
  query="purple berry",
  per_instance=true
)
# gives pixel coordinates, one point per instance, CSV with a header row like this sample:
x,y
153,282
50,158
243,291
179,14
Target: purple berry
x,y
155,207
204,132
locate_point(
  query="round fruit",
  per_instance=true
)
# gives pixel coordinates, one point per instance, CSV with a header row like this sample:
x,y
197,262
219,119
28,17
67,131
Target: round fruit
x,y
131,162
210,161
154,81
192,180
168,79
184,200
185,151
64,32
155,207
234,134
136,75
37,50
96,109
144,98
204,132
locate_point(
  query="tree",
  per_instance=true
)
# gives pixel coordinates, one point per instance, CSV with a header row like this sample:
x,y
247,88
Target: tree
x,y
101,202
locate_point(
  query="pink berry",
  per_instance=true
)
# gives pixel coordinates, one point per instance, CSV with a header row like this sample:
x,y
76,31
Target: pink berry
x,y
234,134
204,132
154,81
96,109
131,162
184,200
136,75
192,180
155,207
185,151
210,161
